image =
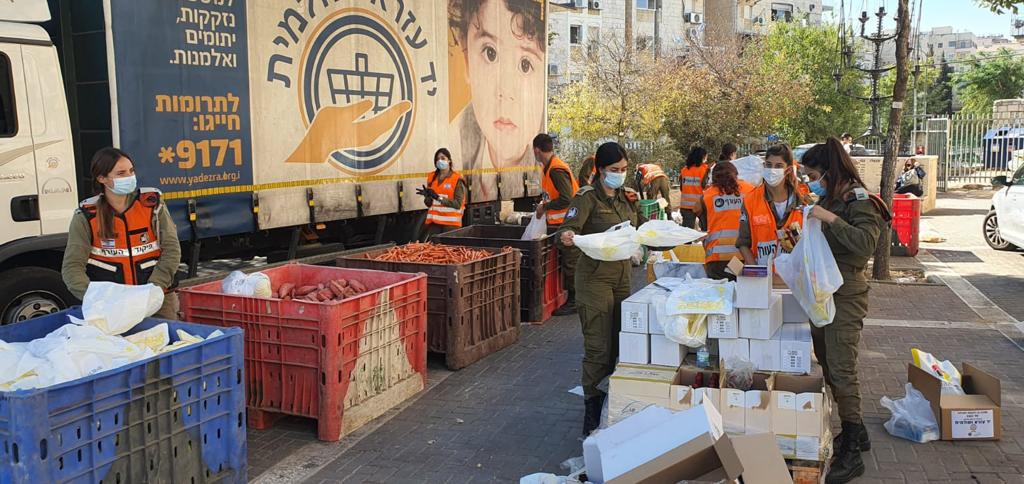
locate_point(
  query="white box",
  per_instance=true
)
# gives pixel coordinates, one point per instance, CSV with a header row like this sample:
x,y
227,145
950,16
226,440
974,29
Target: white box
x,y
765,353
724,326
635,313
739,348
761,323
795,348
634,348
753,292
792,312
646,436
665,352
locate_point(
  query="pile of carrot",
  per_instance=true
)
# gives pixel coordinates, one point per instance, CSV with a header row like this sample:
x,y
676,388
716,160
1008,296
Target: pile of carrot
x,y
428,253
335,290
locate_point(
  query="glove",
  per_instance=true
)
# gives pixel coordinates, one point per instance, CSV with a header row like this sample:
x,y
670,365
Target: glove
x,y
677,217
427,193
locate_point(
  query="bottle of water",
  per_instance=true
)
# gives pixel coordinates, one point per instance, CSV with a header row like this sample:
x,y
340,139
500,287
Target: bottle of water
x,y
703,357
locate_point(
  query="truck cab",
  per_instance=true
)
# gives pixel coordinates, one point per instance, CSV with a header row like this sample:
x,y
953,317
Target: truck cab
x,y
38,179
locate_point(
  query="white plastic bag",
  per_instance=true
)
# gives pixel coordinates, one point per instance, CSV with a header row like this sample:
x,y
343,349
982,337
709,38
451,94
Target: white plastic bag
x,y
116,308
238,283
614,244
811,272
943,370
912,417
700,296
686,329
233,283
536,230
665,233
750,169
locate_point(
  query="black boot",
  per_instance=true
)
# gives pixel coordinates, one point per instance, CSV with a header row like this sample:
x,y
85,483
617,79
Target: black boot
x,y
858,433
592,414
847,465
568,308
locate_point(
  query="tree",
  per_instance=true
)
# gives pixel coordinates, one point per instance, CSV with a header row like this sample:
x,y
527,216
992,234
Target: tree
x,y
807,54
940,94
1000,6
880,269
923,82
990,79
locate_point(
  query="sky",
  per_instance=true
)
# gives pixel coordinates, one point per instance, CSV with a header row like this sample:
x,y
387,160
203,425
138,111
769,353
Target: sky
x,y
962,15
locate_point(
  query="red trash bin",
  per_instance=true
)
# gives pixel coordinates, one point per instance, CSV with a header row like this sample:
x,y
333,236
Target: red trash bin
x,y
906,222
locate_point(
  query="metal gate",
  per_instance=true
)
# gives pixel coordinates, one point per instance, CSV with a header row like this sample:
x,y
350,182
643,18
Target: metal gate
x,y
973,149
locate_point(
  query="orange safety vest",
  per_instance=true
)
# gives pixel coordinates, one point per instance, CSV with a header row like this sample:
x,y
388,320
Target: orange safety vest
x,y
439,214
764,231
723,215
650,173
130,257
556,217
690,180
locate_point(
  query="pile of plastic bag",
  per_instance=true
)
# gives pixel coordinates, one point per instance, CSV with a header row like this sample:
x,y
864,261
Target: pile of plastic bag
x,y
92,344
239,283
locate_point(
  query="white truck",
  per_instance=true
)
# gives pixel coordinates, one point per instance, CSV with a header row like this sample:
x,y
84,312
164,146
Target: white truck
x,y
272,127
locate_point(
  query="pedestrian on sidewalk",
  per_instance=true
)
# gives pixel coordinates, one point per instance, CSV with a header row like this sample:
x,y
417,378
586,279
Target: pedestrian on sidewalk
x,y
559,188
600,285
691,185
722,204
852,219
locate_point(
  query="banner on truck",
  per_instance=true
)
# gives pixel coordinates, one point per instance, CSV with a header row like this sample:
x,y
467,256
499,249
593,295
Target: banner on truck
x,y
344,103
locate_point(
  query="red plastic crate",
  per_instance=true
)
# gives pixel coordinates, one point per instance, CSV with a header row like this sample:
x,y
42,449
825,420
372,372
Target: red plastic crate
x,y
555,294
341,362
906,222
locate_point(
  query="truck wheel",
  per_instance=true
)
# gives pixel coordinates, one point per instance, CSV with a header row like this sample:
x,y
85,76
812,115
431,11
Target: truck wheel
x,y
29,292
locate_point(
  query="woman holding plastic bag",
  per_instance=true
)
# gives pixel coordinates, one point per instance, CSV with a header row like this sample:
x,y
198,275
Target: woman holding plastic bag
x,y
123,234
852,219
600,285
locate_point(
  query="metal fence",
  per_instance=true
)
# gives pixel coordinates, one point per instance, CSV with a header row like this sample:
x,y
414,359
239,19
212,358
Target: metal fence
x,y
973,149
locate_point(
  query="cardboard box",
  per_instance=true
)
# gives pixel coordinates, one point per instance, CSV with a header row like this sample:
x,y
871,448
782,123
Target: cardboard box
x,y
739,348
753,285
665,352
637,311
764,353
757,411
683,395
795,348
653,445
634,348
812,435
974,416
724,326
633,388
792,312
783,410
733,407
761,323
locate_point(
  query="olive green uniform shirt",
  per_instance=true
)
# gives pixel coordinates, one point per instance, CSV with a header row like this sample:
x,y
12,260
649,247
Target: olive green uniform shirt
x,y
853,236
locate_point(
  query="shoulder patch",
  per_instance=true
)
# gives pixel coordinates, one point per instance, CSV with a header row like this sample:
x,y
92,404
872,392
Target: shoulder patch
x,y
585,189
860,194
628,190
571,213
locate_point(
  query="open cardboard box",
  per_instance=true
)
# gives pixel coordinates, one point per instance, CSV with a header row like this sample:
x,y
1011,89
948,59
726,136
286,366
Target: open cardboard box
x,y
974,416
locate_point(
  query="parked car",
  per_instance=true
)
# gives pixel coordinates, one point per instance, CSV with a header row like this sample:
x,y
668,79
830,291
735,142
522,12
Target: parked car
x,y
1004,224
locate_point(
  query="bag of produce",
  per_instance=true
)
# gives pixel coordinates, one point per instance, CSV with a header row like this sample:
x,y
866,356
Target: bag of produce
x,y
666,233
811,272
615,244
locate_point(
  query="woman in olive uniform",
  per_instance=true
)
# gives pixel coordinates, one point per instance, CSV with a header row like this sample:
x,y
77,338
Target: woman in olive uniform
x,y
852,219
600,285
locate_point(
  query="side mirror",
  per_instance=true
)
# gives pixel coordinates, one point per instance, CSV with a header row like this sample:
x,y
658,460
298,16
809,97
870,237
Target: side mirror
x,y
1000,181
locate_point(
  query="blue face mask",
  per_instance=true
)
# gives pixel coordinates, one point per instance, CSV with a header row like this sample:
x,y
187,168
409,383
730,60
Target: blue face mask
x,y
614,180
124,186
816,188
441,164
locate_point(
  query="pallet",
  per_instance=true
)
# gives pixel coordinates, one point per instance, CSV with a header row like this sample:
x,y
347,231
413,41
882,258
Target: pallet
x,y
807,471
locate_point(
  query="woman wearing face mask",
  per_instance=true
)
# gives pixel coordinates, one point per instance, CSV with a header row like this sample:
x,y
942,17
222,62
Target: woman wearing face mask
x,y
123,234
852,219
772,209
600,285
722,203
444,195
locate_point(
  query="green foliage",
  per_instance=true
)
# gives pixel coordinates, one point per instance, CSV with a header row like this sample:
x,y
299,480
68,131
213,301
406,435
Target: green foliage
x,y
808,55
940,93
1000,6
990,79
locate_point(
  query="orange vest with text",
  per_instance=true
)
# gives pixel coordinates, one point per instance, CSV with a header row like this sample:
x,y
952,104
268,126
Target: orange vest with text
x,y
690,179
132,254
764,234
556,217
439,214
723,216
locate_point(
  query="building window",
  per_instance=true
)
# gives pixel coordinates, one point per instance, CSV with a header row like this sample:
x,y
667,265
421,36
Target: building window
x,y
575,34
964,44
647,4
8,115
940,45
782,12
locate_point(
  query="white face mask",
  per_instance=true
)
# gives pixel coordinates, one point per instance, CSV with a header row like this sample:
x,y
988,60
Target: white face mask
x,y
774,176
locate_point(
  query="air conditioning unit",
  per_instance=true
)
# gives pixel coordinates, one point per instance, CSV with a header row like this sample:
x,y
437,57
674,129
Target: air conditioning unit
x,y
694,18
552,69
595,5
759,21
580,3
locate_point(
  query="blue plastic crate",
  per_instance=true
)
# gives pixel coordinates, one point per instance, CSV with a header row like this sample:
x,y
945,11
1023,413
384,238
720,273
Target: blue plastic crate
x,y
177,417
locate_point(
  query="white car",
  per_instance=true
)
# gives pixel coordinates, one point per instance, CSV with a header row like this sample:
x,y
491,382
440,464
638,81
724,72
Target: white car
x,y
1004,224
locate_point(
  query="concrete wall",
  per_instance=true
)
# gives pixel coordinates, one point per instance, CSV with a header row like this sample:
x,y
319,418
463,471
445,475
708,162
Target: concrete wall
x,y
870,168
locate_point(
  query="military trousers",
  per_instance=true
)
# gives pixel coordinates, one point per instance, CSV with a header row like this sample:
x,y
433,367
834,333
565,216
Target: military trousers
x,y
600,289
835,346
568,257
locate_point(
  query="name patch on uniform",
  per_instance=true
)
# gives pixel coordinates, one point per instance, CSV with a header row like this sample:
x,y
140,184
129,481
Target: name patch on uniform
x,y
728,202
761,219
144,238
108,243
861,193
571,213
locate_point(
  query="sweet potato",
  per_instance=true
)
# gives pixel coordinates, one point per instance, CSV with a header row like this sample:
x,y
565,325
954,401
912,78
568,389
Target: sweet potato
x,y
337,288
349,292
286,289
304,290
325,295
357,286
273,295
342,282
